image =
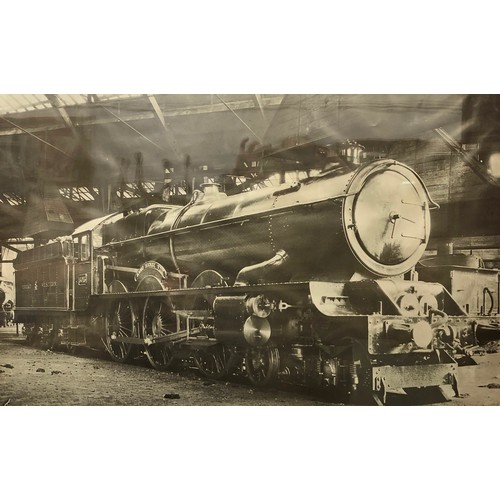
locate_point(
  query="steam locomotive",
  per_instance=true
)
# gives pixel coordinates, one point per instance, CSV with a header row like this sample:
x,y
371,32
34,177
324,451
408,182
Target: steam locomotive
x,y
311,283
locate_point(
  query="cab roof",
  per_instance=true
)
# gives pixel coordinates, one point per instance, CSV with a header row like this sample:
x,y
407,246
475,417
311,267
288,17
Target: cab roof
x,y
94,224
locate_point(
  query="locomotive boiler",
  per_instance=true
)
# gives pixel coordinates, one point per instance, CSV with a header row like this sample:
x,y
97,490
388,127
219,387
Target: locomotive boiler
x,y
311,282
374,221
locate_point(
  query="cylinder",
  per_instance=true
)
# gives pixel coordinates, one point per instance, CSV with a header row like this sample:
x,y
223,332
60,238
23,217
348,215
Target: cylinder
x,y
234,325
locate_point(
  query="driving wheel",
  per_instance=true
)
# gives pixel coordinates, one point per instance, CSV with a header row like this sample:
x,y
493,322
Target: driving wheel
x,y
158,322
120,323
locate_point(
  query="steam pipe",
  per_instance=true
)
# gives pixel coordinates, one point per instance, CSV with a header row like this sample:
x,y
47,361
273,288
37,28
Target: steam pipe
x,y
250,275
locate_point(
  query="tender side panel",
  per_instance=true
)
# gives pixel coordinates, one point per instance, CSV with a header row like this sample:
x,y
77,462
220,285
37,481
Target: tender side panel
x,y
42,277
43,285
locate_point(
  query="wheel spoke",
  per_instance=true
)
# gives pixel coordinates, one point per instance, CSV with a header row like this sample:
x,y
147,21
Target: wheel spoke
x,y
119,323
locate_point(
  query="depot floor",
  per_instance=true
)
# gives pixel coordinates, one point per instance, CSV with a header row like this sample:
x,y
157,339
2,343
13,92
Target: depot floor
x,y
40,377
31,376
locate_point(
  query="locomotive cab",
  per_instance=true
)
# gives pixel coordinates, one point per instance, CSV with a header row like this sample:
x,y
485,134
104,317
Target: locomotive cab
x,y
82,275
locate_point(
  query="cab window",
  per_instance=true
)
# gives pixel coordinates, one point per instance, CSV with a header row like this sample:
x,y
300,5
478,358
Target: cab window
x,y
84,247
76,248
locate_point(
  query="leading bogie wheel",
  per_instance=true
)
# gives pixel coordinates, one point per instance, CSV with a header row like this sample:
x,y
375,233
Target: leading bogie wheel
x,y
158,322
358,390
262,365
120,323
212,361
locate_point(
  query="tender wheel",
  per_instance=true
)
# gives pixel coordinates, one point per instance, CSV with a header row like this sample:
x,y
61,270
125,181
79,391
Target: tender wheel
x,y
158,321
212,362
70,348
30,334
51,338
120,322
262,365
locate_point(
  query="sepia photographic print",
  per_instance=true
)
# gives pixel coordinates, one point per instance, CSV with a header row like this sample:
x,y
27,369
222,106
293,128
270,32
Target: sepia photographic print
x,y
249,249
207,292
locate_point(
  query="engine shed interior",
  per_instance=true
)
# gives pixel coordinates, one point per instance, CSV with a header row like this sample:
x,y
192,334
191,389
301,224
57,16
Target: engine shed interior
x,y
125,209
